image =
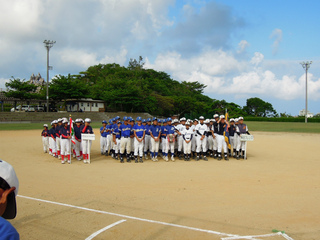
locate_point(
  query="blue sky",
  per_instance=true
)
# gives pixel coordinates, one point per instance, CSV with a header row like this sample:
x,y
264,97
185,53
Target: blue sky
x,y
239,49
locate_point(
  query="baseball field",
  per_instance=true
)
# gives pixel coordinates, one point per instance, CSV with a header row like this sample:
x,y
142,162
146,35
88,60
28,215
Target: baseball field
x,y
276,188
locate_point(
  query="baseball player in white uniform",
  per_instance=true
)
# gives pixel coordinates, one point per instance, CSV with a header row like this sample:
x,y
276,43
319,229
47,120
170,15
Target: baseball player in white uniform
x,y
194,138
187,135
201,130
179,129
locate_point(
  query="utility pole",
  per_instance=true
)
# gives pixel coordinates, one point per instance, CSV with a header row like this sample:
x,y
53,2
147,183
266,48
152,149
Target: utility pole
x,y
48,44
306,66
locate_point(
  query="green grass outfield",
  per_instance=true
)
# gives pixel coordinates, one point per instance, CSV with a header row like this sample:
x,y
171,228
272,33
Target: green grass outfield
x,y
253,126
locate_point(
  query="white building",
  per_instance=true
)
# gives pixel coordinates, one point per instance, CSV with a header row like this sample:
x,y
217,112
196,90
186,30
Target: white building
x,y
302,113
85,105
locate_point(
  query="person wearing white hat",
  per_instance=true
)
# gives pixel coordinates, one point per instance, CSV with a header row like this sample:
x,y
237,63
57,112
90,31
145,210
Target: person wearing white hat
x,y
215,130
45,138
194,138
241,129
65,134
58,137
52,139
221,128
201,130
210,137
77,136
187,135
9,186
232,130
87,129
179,129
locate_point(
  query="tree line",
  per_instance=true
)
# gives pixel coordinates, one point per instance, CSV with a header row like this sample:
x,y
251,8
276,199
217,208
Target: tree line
x,y
136,89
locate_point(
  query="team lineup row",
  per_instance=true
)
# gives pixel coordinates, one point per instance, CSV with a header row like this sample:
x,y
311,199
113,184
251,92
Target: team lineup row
x,y
135,139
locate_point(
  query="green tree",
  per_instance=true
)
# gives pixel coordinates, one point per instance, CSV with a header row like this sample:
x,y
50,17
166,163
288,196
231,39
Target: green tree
x,y
259,108
67,87
22,90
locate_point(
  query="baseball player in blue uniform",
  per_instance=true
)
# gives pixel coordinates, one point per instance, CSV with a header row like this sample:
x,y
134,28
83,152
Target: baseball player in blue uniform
x,y
170,139
52,139
163,139
241,129
58,144
147,139
155,131
221,127
103,137
232,130
125,142
77,136
139,134
132,123
109,138
116,140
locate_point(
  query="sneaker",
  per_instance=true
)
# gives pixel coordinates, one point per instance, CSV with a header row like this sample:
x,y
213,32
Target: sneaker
x,y
121,161
205,158
69,161
141,160
166,158
84,161
79,158
198,158
58,156
62,161
226,157
146,157
73,155
172,158
136,160
153,159
219,157
156,159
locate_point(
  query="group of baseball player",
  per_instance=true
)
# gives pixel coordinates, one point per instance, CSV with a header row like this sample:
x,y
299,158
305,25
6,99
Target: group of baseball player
x,y
59,142
135,139
197,139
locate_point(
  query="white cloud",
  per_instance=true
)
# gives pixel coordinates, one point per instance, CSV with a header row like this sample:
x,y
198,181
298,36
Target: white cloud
x,y
277,36
242,46
257,58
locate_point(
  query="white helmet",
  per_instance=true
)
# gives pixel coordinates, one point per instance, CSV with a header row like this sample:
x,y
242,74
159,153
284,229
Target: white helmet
x,y
87,120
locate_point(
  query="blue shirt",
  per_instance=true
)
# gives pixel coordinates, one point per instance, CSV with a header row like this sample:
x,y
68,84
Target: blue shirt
x,y
86,129
65,132
7,231
104,133
125,130
139,130
170,129
155,130
147,127
77,132
117,133
52,132
109,129
164,131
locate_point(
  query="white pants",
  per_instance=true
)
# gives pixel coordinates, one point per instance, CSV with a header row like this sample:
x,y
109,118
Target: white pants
x,y
52,144
221,143
58,144
187,147
194,143
125,144
170,146
77,148
116,147
138,147
109,142
103,144
233,146
154,145
210,142
45,143
164,145
86,146
147,143
215,142
180,142
201,144
65,146
241,144
132,144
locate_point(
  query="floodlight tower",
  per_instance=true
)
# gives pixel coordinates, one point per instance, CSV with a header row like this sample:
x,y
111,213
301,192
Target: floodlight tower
x,y
48,44
306,66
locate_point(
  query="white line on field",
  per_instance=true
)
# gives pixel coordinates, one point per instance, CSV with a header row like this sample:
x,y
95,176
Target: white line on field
x,y
231,236
93,235
131,217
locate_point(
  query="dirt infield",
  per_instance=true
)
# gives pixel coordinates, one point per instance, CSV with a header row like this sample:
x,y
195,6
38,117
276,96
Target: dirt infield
x,y
278,187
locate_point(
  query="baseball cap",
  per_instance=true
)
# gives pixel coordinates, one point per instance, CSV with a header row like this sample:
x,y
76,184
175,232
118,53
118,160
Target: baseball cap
x,y
60,119
64,121
149,120
187,123
104,121
139,119
207,121
55,121
45,125
169,119
216,116
240,118
222,116
143,120
231,120
212,120
201,118
125,118
8,179
196,120
87,120
154,119
182,119
164,120
110,121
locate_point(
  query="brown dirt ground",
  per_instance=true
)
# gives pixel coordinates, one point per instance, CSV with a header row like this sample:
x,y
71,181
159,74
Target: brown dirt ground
x,y
278,187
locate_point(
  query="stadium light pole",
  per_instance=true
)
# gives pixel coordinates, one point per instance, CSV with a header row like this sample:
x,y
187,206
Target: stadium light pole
x,y
48,44
306,66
